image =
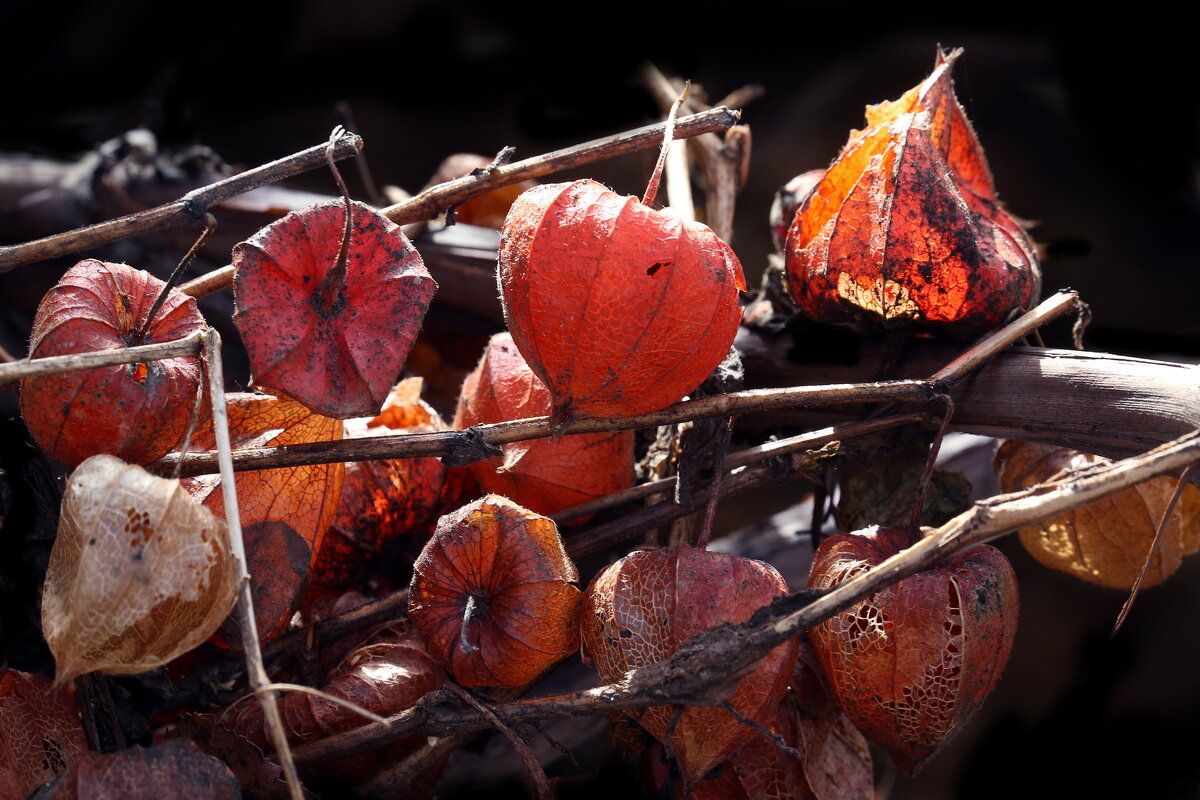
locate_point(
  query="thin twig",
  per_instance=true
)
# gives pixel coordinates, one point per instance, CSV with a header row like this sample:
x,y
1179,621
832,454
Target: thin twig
x,y
999,340
210,225
341,701
540,782
750,455
446,443
1163,522
397,780
192,206
364,171
437,199
731,404
189,345
619,530
714,494
723,162
255,672
918,509
430,203
768,734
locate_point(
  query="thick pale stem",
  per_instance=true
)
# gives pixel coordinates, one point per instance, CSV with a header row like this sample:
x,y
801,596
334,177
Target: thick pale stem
x,y
256,673
668,136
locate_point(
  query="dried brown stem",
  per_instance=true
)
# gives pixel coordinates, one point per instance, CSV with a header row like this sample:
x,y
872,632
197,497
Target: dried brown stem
x,y
210,225
432,202
192,206
540,782
668,135
436,200
189,345
714,494
721,160
631,525
1163,522
709,660
445,443
750,455
396,781
1001,339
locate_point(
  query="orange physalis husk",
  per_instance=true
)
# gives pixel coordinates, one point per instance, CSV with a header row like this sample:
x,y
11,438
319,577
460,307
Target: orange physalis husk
x,y
332,341
285,512
493,594
643,608
1106,541
385,500
544,476
136,412
910,664
619,308
905,226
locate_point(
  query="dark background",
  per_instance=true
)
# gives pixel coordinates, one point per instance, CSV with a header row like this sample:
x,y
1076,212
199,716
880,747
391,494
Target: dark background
x,y
1090,122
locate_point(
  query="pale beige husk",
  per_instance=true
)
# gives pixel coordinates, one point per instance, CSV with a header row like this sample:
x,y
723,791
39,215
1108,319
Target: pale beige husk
x,y
139,573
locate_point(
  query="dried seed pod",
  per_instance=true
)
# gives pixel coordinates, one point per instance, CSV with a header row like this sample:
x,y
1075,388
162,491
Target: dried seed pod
x,y
40,732
334,340
643,608
542,475
173,768
905,226
913,662
493,594
138,575
620,309
136,412
1106,541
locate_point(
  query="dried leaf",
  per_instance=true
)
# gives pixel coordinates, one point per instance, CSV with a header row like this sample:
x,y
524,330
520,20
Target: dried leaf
x,y
284,512
620,309
334,342
1106,541
138,575
646,606
910,664
40,732
136,412
493,594
542,475
174,768
905,225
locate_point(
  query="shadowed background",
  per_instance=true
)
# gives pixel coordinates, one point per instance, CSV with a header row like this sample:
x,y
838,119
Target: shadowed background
x,y
1090,126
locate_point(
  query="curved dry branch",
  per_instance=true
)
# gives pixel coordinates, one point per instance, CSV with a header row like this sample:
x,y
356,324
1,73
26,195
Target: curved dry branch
x,y
435,200
191,207
703,671
1094,402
